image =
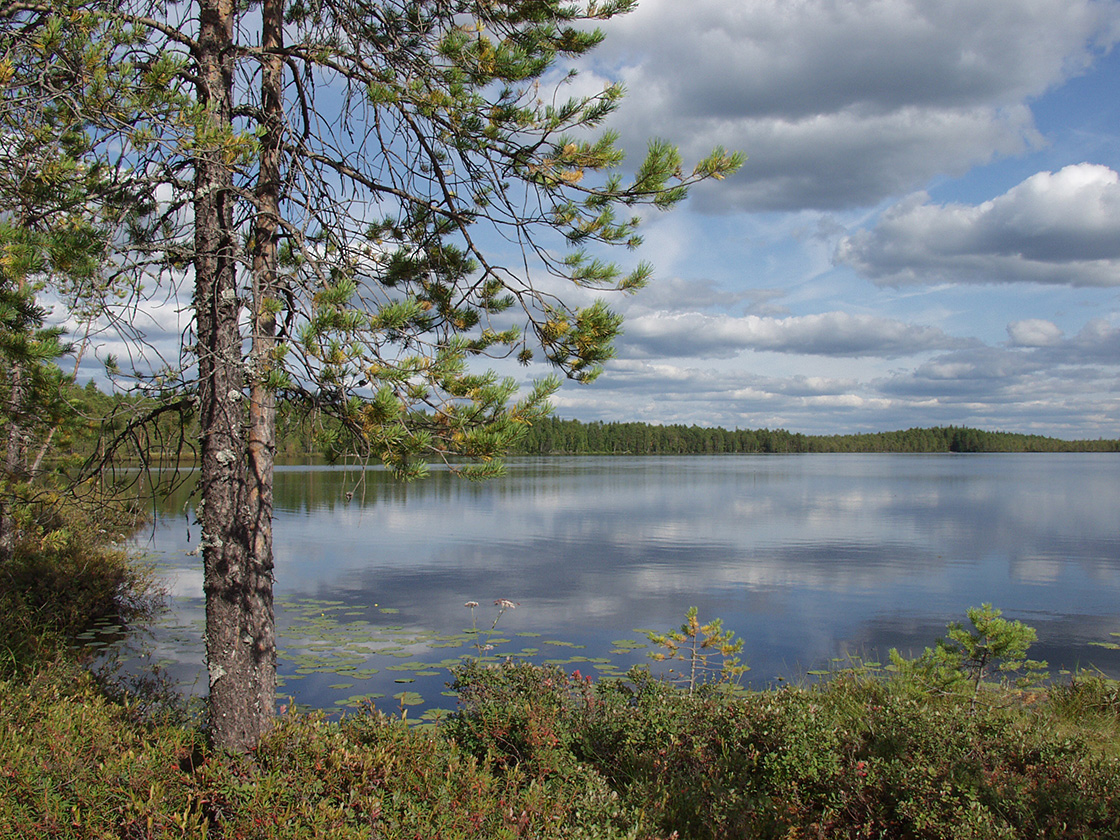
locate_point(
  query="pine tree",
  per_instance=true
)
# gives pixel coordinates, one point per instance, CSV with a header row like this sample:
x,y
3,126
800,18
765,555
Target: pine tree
x,y
364,198
59,203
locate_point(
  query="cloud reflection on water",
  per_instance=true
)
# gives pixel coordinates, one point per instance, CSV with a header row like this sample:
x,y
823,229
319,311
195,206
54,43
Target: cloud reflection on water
x,y
806,557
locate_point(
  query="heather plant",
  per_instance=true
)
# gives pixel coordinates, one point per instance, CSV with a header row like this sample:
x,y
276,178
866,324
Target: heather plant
x,y
863,753
860,755
518,714
705,763
540,752
74,765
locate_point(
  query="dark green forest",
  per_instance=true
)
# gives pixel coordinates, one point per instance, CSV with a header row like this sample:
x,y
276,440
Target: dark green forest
x,y
556,436
166,428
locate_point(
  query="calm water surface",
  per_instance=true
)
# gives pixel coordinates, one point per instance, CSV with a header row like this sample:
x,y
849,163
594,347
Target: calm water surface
x,y
808,558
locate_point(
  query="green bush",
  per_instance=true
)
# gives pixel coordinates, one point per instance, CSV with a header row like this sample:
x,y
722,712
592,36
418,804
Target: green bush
x,y
67,574
74,765
860,755
967,657
538,752
517,714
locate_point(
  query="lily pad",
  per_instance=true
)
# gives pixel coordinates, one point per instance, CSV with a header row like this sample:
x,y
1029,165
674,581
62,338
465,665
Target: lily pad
x,y
623,645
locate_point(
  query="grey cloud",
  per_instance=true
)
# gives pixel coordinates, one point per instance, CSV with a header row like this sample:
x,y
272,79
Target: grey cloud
x,y
1081,369
847,159
836,334
981,374
1098,342
702,294
661,393
814,386
769,58
843,104
1069,389
1058,228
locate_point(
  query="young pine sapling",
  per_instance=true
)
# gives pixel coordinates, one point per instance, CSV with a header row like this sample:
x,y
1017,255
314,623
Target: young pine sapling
x,y
694,644
970,655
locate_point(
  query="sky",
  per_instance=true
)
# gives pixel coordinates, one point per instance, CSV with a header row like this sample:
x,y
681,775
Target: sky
x,y
926,230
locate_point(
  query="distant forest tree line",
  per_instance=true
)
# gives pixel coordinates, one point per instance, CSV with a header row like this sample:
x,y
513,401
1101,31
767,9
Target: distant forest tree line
x,y
304,432
556,436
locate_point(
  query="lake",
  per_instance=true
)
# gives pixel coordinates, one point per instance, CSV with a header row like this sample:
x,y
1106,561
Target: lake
x,y
810,559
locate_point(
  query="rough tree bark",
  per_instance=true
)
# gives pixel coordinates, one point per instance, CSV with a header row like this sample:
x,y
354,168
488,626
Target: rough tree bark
x,y
240,640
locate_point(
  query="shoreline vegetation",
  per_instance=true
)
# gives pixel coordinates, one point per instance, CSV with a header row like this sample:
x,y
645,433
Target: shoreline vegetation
x,y
965,741
554,436
303,433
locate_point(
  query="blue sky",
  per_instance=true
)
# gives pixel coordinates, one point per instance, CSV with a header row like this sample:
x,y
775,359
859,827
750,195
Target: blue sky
x,y
926,230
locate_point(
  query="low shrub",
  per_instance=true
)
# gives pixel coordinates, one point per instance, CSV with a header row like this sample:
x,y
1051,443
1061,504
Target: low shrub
x,y
538,752
74,765
64,576
860,755
519,715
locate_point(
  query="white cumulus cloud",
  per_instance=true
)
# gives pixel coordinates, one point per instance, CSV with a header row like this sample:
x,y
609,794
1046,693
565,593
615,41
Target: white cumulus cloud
x,y
1034,332
1055,228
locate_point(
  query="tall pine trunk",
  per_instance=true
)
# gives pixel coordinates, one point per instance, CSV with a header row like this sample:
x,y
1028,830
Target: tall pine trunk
x,y
13,460
266,226
236,534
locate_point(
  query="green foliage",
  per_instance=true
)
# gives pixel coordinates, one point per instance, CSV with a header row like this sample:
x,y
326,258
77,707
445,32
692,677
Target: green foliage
x,y
695,644
78,766
858,755
62,203
68,573
32,400
967,656
708,764
518,715
537,752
